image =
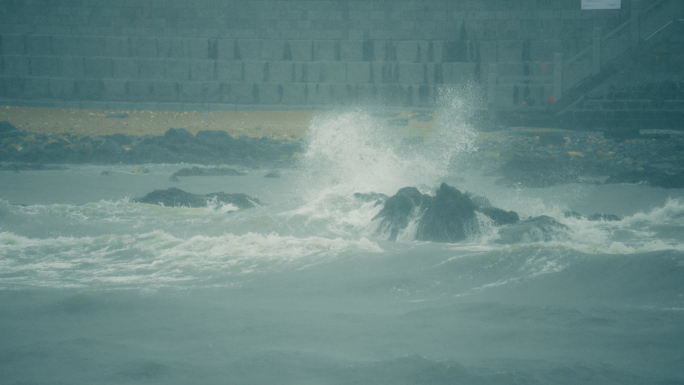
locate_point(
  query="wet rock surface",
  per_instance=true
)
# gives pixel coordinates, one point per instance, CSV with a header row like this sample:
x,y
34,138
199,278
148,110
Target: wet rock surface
x,y
175,197
449,216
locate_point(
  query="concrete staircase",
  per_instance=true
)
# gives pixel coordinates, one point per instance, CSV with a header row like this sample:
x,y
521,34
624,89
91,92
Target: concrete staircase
x,y
629,78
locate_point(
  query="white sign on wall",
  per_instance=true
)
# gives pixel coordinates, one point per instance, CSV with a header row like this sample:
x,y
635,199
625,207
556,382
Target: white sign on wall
x,y
601,4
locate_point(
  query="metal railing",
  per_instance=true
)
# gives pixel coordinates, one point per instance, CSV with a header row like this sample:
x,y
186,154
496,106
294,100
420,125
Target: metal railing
x,y
643,25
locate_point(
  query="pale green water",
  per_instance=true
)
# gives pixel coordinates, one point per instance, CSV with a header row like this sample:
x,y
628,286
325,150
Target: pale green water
x,y
96,289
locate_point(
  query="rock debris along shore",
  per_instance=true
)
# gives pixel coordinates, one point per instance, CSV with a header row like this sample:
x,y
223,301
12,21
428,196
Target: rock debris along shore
x,y
519,157
543,158
177,145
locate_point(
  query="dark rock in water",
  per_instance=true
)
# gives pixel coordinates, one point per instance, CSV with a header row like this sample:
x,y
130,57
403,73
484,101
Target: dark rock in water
x,y
371,197
500,217
173,197
449,217
397,209
537,229
7,129
239,200
197,171
117,115
272,174
654,176
478,200
593,217
176,197
604,217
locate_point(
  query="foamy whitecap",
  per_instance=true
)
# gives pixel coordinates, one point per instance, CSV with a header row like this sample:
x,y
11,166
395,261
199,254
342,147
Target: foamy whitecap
x,y
157,257
671,211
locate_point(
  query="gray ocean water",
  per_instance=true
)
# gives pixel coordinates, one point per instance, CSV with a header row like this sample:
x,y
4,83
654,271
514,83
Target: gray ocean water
x,y
98,289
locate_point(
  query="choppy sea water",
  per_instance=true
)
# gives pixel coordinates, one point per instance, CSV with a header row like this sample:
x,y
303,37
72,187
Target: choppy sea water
x,y
98,289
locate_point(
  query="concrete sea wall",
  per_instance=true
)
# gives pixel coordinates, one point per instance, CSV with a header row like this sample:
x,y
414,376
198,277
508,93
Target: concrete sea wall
x,y
284,54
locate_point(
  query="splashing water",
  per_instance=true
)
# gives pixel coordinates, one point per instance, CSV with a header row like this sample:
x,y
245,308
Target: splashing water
x,y
360,152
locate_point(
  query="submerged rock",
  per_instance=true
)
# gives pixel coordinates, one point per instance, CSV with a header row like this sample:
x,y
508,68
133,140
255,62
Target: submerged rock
x,y
198,171
272,174
176,197
537,229
449,216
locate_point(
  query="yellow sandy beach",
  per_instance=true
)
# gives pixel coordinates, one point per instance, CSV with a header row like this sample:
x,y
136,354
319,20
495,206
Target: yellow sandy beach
x,y
290,125
287,125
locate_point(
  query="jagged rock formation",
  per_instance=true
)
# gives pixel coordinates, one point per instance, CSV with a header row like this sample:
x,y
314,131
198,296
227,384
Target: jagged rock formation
x,y
449,216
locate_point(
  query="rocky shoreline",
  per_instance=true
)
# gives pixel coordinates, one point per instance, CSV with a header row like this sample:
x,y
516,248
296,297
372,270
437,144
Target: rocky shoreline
x,y
542,158
177,145
520,157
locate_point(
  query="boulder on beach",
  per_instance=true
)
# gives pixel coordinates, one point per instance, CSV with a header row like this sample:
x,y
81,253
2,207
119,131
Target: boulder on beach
x,y
178,198
449,216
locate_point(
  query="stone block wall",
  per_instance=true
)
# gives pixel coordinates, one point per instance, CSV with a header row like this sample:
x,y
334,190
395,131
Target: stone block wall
x,y
281,54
